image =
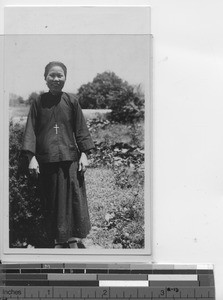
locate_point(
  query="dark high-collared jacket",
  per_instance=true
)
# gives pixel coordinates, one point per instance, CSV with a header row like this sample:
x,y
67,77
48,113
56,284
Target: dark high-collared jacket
x,y
56,129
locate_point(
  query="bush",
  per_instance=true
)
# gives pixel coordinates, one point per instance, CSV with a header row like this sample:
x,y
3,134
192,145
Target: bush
x,y
25,215
127,218
127,106
108,91
120,148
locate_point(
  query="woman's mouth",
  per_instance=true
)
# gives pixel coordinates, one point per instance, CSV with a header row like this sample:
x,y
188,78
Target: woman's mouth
x,y
56,84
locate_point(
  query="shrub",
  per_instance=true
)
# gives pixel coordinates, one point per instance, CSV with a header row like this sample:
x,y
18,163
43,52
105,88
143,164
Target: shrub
x,y
127,106
127,218
121,148
25,216
108,91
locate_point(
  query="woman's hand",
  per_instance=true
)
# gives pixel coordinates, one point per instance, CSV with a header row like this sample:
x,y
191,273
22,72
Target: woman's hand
x,y
83,162
34,167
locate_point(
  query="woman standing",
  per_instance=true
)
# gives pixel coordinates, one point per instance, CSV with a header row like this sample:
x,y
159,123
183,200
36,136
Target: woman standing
x,y
56,140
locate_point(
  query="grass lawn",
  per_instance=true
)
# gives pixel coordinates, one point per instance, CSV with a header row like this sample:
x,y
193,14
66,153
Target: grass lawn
x,y
112,210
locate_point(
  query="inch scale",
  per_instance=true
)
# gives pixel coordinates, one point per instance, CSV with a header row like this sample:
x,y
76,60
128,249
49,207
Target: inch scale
x,y
112,281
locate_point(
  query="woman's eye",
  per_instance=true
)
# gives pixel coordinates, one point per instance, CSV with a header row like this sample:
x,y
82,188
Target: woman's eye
x,y
56,75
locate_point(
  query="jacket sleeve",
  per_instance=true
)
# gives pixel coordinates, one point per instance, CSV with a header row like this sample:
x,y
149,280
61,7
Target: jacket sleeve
x,y
81,132
29,138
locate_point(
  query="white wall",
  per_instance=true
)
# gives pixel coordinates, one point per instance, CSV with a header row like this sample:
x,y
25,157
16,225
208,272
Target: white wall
x,y
187,131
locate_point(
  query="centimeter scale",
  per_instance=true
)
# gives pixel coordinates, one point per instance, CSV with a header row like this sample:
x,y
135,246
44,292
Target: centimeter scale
x,y
106,281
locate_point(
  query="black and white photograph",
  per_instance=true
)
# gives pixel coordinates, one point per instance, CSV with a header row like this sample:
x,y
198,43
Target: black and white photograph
x,y
77,114
76,140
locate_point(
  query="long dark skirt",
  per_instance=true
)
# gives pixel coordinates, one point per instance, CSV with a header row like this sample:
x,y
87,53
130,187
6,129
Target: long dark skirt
x,y
63,196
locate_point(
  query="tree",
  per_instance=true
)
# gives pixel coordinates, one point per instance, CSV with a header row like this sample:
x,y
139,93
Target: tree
x,y
20,100
15,100
32,97
108,91
95,94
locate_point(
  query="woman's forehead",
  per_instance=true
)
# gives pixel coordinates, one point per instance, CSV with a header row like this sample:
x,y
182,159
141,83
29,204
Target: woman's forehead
x,y
56,69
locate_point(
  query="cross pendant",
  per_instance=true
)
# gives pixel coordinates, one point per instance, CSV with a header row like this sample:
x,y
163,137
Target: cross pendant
x,y
56,127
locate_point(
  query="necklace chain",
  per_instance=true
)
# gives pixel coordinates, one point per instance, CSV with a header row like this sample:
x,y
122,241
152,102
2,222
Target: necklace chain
x,y
56,127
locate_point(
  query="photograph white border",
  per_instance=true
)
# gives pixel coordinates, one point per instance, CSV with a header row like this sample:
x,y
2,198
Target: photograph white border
x,y
23,27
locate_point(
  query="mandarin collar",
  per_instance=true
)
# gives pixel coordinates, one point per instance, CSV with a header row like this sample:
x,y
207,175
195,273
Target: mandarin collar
x,y
55,96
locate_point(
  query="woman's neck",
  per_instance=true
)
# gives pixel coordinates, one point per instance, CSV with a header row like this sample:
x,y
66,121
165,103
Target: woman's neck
x,y
55,93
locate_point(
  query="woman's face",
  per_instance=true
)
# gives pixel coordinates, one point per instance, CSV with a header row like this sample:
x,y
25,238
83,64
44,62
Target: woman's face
x,y
55,79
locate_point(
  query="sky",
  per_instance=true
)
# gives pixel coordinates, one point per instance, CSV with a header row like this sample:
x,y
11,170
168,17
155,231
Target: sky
x,y
25,57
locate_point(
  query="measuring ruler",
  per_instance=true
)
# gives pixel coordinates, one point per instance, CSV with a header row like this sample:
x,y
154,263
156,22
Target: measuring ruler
x,y
106,281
